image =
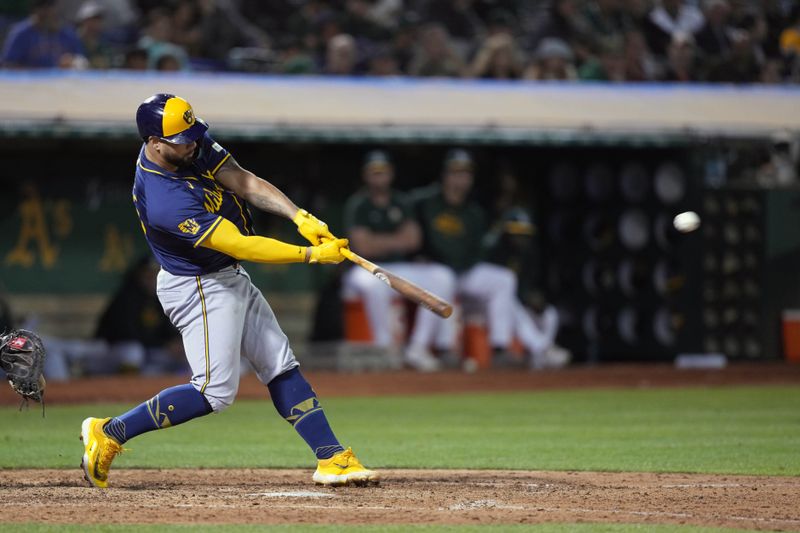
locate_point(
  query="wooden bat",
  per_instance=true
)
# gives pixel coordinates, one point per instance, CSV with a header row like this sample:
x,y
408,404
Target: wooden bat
x,y
413,292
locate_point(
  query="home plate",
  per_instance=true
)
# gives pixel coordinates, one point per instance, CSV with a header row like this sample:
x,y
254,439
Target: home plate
x,y
293,494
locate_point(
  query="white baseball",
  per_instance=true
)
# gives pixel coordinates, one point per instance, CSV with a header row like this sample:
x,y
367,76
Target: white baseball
x,y
686,222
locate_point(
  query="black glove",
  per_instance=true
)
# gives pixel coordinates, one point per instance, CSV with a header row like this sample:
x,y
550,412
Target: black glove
x,y
22,358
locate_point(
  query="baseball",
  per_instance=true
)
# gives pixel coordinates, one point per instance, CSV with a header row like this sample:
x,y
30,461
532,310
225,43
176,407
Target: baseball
x,y
686,222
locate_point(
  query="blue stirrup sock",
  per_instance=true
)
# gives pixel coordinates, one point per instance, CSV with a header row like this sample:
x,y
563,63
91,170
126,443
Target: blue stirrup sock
x,y
169,407
296,402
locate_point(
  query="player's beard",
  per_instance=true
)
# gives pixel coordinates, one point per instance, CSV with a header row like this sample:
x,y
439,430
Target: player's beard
x,y
184,161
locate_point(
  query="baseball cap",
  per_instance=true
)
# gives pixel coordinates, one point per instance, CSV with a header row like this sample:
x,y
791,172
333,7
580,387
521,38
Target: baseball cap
x,y
458,159
89,9
517,221
377,160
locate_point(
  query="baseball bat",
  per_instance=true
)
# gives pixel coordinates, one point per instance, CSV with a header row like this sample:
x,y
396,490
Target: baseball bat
x,y
411,291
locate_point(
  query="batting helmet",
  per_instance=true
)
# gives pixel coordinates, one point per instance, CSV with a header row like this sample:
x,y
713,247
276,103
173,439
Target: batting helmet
x,y
169,118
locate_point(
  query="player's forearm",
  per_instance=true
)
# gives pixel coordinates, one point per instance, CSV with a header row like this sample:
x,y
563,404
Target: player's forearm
x,y
256,191
226,239
265,196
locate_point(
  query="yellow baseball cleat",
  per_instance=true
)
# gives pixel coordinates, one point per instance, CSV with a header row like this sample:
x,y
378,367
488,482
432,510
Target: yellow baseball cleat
x,y
344,469
99,451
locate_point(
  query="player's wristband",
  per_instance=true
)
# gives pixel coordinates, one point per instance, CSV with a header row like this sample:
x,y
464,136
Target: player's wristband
x,y
299,216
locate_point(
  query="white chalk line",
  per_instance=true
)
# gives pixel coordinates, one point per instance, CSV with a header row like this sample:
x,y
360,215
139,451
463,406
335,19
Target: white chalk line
x,y
481,504
291,494
702,485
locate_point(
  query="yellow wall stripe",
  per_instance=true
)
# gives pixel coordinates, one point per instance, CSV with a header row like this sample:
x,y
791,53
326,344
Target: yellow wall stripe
x,y
207,232
205,333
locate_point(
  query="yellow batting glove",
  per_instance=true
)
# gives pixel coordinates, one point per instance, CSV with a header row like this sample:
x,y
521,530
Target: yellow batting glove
x,y
329,252
313,229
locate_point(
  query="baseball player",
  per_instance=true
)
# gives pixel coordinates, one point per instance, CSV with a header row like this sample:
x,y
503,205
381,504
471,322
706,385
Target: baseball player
x,y
192,199
511,243
381,227
453,228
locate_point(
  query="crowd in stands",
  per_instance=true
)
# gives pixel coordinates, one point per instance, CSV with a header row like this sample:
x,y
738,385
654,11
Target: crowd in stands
x,y
733,41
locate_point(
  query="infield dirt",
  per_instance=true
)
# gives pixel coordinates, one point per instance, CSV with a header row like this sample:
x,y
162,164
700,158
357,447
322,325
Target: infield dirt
x,y
404,497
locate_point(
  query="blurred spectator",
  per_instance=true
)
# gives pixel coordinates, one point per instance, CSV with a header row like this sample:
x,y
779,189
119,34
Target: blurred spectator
x,y
562,21
404,42
775,15
640,65
387,13
714,38
741,65
772,72
436,56
609,65
41,41
499,58
304,18
382,63
168,63
135,59
357,21
674,16
341,55
671,18
186,25
682,59
140,337
790,36
381,227
211,29
552,60
458,18
89,21
500,21
295,59
120,18
607,24
157,39
638,12
606,39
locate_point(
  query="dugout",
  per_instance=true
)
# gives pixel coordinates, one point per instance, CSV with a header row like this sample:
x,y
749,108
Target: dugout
x,y
604,168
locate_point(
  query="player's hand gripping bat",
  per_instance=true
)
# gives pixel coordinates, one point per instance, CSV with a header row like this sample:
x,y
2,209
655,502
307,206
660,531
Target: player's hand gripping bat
x,y
403,286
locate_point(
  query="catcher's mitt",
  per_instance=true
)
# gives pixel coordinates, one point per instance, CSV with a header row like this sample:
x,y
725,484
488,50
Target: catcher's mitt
x,y
22,358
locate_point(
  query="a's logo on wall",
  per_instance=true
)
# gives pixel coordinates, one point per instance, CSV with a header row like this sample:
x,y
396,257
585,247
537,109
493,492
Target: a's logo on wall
x,y
189,226
188,117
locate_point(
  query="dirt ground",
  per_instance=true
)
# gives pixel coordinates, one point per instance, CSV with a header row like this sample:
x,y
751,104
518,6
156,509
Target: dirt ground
x,y
413,496
404,497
